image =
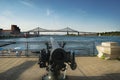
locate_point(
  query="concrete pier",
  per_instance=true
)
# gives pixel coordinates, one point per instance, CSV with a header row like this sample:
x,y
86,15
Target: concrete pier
x,y
89,68
110,50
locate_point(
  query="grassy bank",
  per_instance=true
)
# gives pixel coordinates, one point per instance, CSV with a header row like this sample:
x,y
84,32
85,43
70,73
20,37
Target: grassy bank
x,y
117,33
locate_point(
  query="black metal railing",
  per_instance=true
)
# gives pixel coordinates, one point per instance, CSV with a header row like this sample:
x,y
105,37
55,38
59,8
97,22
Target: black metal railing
x,y
32,48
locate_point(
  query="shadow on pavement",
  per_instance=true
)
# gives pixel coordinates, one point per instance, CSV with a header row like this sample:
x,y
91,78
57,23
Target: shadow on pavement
x,y
15,72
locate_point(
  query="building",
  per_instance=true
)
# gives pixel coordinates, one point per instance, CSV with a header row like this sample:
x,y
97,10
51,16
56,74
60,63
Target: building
x,y
14,31
6,32
1,31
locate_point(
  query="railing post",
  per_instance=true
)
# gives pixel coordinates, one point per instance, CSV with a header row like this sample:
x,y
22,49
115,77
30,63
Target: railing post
x,y
26,52
93,48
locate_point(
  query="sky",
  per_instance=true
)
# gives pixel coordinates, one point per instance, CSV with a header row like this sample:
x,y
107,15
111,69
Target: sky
x,y
81,15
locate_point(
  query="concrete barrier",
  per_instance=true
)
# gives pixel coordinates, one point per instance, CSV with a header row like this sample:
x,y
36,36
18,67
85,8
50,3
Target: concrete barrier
x,y
108,50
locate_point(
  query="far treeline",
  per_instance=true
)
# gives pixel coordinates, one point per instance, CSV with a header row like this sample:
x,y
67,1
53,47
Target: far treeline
x,y
116,33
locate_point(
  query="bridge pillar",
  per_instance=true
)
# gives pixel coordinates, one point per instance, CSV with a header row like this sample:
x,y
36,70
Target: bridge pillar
x,y
67,33
78,33
35,33
28,33
38,33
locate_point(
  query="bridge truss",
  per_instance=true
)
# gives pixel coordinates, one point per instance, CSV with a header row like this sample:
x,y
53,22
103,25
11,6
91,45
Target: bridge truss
x,y
37,31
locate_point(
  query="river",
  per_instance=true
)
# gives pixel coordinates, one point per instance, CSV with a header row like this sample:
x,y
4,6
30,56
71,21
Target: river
x,y
86,42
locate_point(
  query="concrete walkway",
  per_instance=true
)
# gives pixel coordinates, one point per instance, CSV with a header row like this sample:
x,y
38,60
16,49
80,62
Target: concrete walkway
x,y
89,68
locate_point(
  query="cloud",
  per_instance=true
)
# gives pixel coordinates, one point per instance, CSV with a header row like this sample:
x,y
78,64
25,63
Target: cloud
x,y
49,12
5,22
7,13
27,3
82,12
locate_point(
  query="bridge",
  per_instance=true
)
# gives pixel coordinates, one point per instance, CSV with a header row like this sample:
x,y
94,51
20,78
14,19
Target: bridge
x,y
36,31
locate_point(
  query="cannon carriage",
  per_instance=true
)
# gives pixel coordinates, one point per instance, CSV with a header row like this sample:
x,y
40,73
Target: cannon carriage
x,y
55,59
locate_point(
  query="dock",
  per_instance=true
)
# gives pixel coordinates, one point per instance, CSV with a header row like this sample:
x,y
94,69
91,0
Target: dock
x,y
88,68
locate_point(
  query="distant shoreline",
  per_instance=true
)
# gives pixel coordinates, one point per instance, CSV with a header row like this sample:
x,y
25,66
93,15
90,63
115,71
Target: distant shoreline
x,y
117,33
97,34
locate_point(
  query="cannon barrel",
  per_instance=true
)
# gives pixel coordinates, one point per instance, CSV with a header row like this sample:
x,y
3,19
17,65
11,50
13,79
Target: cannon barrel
x,y
54,44
58,54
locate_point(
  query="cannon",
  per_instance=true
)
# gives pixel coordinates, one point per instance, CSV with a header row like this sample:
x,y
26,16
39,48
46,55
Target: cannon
x,y
55,59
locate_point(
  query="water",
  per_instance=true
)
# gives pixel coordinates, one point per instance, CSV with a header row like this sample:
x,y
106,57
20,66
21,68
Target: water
x,y
86,44
68,38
